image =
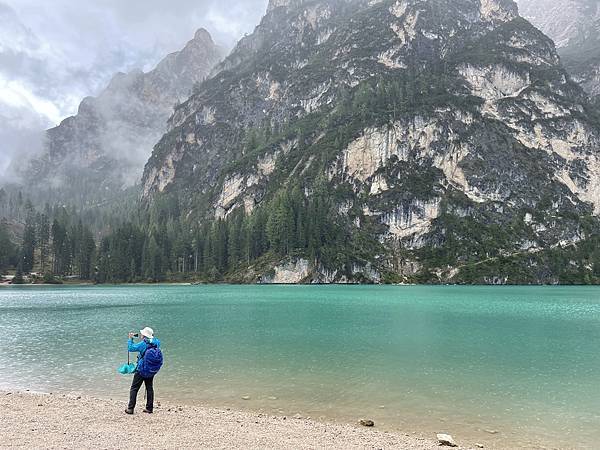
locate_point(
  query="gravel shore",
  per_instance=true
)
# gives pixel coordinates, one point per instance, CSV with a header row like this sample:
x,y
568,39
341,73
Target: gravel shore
x,y
68,421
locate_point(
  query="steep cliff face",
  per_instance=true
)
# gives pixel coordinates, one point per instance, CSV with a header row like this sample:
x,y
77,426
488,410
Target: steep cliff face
x,y
575,27
447,138
94,155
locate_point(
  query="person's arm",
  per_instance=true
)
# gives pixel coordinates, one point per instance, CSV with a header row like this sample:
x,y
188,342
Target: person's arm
x,y
132,347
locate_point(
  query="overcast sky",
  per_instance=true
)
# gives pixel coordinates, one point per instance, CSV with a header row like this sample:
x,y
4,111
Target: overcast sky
x,y
55,52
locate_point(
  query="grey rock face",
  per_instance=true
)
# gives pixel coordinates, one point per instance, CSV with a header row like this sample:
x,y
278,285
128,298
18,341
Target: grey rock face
x,y
447,131
574,25
562,20
92,156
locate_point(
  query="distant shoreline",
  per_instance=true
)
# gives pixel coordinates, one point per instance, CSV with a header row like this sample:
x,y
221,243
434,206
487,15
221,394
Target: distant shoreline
x,y
188,283
76,421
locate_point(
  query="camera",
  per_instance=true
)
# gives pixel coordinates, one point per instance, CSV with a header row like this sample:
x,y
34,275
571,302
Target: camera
x,y
135,335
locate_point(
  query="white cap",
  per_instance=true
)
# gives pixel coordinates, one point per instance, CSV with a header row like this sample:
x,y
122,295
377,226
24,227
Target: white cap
x,y
147,332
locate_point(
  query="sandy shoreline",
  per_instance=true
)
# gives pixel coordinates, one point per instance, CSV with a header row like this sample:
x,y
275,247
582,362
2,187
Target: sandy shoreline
x,y
67,421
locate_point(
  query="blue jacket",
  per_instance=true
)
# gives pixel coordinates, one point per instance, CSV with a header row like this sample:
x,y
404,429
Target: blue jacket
x,y
141,346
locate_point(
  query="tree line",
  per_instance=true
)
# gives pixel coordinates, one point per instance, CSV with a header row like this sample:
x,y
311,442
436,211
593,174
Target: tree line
x,y
54,242
169,248
164,246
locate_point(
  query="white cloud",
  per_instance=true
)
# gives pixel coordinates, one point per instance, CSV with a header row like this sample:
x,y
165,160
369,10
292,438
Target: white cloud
x,y
54,53
17,96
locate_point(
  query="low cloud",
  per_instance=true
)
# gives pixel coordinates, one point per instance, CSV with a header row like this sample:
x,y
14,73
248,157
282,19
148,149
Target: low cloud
x,y
53,54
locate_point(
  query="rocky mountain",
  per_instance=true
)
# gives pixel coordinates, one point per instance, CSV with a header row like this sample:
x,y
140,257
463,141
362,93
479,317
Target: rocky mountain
x,y
394,140
95,154
574,25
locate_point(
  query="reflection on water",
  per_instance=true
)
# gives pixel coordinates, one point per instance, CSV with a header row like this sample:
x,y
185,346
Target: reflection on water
x,y
520,360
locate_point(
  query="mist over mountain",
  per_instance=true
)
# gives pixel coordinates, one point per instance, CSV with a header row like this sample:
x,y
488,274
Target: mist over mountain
x,y
92,156
428,141
574,25
53,54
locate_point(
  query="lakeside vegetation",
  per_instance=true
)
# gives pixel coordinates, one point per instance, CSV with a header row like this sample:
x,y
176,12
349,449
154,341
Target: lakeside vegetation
x,y
303,214
58,245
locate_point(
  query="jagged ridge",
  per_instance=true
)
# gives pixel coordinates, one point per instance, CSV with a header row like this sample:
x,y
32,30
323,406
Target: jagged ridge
x,y
575,27
451,140
92,156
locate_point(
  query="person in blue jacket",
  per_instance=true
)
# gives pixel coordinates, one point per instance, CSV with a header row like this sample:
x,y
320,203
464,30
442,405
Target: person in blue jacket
x,y
147,335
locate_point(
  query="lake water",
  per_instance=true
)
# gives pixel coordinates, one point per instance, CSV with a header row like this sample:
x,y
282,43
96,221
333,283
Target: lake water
x,y
522,361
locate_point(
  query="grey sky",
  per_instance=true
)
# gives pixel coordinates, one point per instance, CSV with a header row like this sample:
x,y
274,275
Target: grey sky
x,y
54,53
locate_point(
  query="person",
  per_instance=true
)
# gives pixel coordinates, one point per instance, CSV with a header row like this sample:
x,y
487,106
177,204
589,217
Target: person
x,y
148,340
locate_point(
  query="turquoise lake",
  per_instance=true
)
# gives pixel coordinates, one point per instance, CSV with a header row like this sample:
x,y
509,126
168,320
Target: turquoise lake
x,y
505,366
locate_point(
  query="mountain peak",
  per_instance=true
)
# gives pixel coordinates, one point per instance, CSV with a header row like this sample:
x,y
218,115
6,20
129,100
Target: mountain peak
x,y
403,124
273,4
203,35
104,147
502,10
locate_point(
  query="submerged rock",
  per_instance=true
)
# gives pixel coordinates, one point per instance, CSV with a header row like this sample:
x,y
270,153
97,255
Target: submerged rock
x,y
446,440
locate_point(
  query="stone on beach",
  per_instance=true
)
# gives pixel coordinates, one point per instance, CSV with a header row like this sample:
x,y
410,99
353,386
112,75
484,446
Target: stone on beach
x,y
446,440
367,423
246,397
98,423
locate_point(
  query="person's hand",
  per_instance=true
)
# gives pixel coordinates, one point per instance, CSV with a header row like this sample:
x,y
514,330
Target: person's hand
x,y
131,335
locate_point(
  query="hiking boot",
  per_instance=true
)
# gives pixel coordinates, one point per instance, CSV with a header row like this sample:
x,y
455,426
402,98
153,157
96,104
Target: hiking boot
x,y
147,411
129,411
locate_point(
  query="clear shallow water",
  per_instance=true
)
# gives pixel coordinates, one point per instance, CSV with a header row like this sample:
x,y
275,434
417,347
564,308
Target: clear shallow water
x,y
524,361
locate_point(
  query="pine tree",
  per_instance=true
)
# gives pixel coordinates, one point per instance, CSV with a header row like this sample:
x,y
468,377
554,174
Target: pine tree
x,y
29,244
87,250
280,225
18,279
7,249
103,274
259,232
299,211
59,248
246,239
219,245
152,263
234,239
43,240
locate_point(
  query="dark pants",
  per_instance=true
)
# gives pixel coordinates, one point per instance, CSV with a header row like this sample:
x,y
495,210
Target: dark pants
x,y
138,380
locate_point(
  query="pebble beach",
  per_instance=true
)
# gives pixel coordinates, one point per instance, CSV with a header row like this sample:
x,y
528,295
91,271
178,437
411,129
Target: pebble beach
x,y
59,421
